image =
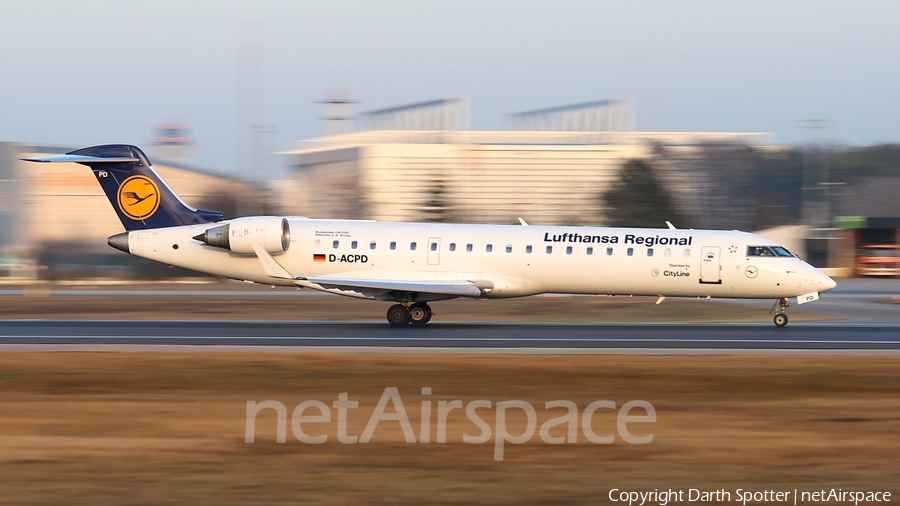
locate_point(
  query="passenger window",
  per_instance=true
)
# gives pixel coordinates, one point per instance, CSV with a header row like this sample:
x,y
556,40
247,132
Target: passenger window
x,y
549,249
590,250
528,249
335,244
687,253
667,252
509,248
434,246
372,245
568,250
630,251
489,248
353,245
468,247
393,245
412,246
649,252
452,246
609,252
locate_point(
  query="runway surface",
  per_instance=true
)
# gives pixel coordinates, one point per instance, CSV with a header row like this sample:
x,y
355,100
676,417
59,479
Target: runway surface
x,y
869,325
501,336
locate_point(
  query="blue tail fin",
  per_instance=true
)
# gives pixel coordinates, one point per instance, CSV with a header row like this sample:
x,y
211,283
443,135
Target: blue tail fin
x,y
139,196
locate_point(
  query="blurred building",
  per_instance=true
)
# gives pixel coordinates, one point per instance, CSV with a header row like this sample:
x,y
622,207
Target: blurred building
x,y
600,116
171,141
9,196
867,214
420,163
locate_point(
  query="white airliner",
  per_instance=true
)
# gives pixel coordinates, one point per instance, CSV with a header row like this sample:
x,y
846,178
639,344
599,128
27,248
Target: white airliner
x,y
412,264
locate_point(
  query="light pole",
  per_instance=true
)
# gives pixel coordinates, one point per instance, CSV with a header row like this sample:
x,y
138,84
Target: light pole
x,y
812,211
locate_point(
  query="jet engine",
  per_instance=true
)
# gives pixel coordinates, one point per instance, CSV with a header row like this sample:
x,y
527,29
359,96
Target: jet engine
x,y
272,233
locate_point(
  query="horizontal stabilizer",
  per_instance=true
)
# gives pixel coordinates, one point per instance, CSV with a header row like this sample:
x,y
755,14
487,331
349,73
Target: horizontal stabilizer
x,y
80,159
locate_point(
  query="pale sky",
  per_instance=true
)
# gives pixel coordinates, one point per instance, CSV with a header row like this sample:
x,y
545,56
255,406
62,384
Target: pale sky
x,y
91,72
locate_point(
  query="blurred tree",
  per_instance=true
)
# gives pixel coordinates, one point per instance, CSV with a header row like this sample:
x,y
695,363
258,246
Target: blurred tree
x,y
229,199
775,189
638,199
437,208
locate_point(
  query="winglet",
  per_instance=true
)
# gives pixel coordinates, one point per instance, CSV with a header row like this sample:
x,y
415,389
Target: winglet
x,y
272,267
523,222
669,224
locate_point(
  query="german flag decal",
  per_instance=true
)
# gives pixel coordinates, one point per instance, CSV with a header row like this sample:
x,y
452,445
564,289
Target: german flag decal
x,y
318,258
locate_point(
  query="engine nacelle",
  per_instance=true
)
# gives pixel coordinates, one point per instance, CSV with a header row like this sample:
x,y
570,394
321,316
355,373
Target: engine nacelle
x,y
239,236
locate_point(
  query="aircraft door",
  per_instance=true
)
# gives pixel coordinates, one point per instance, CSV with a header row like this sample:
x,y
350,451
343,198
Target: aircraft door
x,y
434,250
710,265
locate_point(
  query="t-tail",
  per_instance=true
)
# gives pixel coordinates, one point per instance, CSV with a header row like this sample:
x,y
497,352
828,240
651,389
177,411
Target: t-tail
x,y
138,195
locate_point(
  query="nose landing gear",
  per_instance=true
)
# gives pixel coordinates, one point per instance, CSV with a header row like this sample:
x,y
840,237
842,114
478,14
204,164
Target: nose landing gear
x,y
400,315
781,319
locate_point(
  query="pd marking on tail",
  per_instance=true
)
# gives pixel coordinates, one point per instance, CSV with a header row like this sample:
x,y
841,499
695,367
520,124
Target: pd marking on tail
x,y
130,199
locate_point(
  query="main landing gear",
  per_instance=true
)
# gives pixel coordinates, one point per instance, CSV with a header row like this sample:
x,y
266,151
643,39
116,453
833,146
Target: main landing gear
x,y
781,318
400,315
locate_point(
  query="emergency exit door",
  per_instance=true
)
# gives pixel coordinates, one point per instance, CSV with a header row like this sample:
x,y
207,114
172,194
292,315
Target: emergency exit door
x,y
710,265
434,250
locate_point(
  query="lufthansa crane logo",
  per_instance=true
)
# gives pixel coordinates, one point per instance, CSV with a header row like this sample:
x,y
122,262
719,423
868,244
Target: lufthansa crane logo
x,y
138,197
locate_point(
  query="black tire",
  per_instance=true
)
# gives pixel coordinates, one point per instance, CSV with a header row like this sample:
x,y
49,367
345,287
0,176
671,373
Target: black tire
x,y
398,315
781,320
420,314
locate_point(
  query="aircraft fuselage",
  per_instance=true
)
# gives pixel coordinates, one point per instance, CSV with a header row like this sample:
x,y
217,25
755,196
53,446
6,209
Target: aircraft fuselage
x,y
517,260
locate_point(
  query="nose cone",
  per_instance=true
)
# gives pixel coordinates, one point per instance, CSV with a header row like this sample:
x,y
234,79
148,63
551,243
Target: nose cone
x,y
825,283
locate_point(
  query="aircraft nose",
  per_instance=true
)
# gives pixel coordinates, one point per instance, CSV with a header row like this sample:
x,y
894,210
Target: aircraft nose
x,y
824,282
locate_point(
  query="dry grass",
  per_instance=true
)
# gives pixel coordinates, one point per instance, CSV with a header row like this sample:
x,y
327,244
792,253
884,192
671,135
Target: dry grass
x,y
168,428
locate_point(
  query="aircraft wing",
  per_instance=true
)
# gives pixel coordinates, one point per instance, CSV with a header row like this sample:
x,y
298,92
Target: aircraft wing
x,y
372,288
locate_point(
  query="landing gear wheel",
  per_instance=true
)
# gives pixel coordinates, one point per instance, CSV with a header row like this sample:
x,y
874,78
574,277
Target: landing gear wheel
x,y
781,319
398,315
420,313
781,304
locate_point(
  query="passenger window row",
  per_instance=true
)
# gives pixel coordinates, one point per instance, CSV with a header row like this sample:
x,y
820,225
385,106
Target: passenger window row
x,y
752,251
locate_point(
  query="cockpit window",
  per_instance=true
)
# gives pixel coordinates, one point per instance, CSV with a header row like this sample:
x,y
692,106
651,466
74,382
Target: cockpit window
x,y
768,251
759,251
